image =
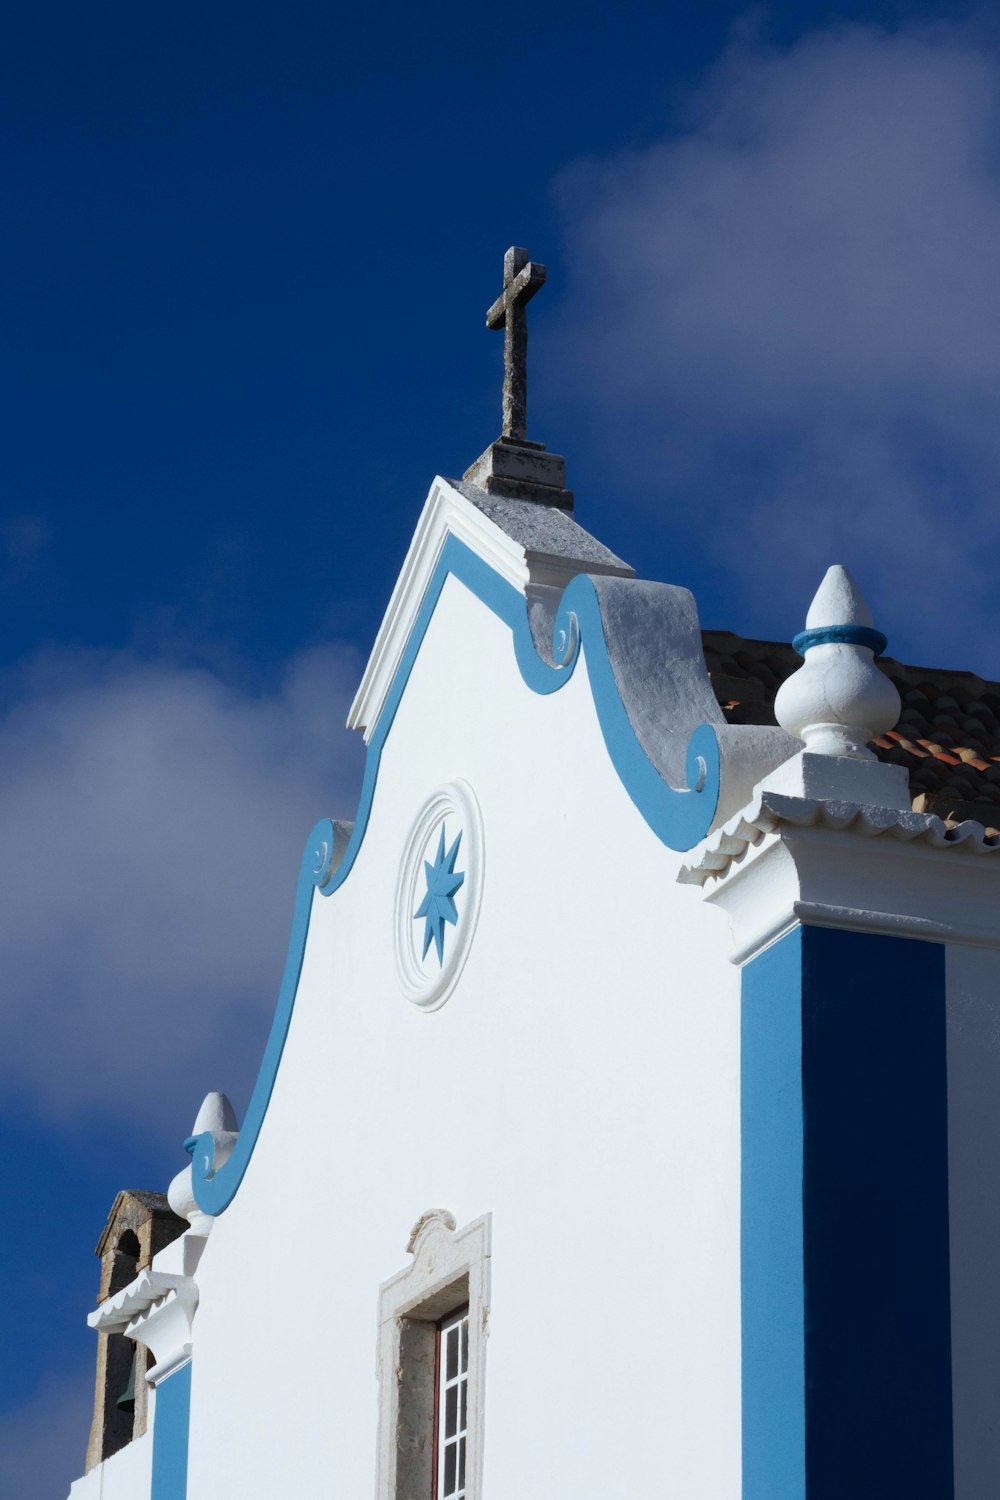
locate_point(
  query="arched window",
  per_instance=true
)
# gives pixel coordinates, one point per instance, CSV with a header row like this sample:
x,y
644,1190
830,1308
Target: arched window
x,y
126,1261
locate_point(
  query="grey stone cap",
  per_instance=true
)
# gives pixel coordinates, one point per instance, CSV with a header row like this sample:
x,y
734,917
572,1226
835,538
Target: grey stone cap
x,y
522,470
544,530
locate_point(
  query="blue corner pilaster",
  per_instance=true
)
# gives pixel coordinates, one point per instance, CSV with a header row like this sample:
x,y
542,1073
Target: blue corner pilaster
x,y
845,1271
170,1436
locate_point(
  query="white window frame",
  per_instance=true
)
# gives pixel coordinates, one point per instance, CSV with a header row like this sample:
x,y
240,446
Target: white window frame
x,y
456,1323
450,1270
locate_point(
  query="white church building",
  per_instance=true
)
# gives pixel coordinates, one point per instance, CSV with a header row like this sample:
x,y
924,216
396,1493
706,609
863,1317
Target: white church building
x,y
629,1123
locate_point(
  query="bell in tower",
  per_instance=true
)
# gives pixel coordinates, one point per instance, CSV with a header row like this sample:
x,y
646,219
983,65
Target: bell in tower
x,y
139,1226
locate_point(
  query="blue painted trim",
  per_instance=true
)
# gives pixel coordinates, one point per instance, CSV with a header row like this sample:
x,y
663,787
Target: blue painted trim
x,y
845,1255
171,1425
848,635
772,1273
216,1190
678,817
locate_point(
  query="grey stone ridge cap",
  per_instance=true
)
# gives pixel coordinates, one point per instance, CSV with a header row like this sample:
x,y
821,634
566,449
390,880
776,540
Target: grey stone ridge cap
x,y
544,530
765,815
150,1199
155,1202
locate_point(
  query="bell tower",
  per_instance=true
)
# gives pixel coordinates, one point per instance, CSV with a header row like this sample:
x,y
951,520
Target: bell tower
x,y
139,1225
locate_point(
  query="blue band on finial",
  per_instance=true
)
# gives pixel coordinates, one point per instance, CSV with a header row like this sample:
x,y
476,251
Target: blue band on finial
x,y
847,635
190,1144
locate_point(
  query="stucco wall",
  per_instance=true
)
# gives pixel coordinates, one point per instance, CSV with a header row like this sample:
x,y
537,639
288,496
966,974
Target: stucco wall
x,y
582,1084
125,1476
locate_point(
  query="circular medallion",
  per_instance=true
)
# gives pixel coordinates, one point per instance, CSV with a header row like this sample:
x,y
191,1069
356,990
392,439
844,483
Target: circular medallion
x,y
438,894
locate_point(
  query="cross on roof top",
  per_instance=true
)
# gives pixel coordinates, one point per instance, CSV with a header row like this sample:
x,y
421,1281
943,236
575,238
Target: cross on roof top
x,y
512,466
521,280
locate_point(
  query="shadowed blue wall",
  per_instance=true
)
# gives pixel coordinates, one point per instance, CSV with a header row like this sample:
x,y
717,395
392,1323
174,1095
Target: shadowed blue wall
x,y
845,1264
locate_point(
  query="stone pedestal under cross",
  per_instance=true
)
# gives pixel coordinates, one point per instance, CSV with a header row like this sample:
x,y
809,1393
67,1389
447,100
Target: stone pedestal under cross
x,y
513,466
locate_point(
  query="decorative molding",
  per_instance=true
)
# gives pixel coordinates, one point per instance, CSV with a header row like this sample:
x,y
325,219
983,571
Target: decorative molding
x,y
434,1222
158,1309
426,979
450,1269
771,809
166,1327
115,1313
786,860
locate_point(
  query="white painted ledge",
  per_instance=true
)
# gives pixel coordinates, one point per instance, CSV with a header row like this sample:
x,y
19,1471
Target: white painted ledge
x,y
788,860
157,1309
116,1312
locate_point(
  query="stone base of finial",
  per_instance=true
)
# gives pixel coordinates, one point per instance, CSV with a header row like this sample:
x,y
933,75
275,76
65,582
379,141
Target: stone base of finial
x,y
841,778
520,470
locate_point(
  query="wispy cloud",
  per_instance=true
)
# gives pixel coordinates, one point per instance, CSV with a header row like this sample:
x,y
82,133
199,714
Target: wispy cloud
x,y
152,819
791,321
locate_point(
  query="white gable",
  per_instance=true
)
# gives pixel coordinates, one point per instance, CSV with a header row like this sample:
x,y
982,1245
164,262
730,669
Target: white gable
x,y
509,1025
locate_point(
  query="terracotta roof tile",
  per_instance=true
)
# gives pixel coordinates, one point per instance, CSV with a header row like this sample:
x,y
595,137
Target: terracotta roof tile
x,y
948,734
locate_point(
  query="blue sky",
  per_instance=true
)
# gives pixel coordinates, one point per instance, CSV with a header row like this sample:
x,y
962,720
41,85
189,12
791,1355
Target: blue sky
x,y
245,262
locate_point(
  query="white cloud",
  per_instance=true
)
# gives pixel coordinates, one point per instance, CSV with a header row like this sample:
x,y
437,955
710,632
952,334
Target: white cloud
x,y
152,819
791,317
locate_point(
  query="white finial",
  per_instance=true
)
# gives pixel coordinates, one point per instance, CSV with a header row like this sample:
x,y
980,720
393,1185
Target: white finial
x,y
218,1118
837,702
839,601
838,699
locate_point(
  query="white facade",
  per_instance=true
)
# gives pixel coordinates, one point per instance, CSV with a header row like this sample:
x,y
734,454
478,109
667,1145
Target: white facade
x,y
564,1068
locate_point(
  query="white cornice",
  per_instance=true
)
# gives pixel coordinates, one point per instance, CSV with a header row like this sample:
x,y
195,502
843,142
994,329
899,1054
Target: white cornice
x,y
714,856
116,1312
158,1309
789,860
166,1328
445,514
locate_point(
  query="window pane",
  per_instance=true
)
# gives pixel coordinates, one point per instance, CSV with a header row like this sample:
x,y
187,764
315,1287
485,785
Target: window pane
x,y
452,1406
449,1470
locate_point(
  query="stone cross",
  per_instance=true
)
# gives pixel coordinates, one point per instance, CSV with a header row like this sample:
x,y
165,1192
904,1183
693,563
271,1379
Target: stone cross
x,y
521,280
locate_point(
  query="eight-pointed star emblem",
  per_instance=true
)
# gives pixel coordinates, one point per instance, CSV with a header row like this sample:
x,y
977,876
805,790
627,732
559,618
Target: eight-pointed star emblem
x,y
438,906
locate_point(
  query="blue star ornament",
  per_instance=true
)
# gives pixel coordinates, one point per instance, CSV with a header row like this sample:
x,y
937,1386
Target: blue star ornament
x,y
438,906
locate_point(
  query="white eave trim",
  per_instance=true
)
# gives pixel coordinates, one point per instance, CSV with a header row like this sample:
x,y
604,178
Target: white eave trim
x,y
115,1313
789,860
446,513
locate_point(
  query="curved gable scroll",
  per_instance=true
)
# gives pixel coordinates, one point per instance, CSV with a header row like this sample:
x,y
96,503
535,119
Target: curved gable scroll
x,y
647,676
